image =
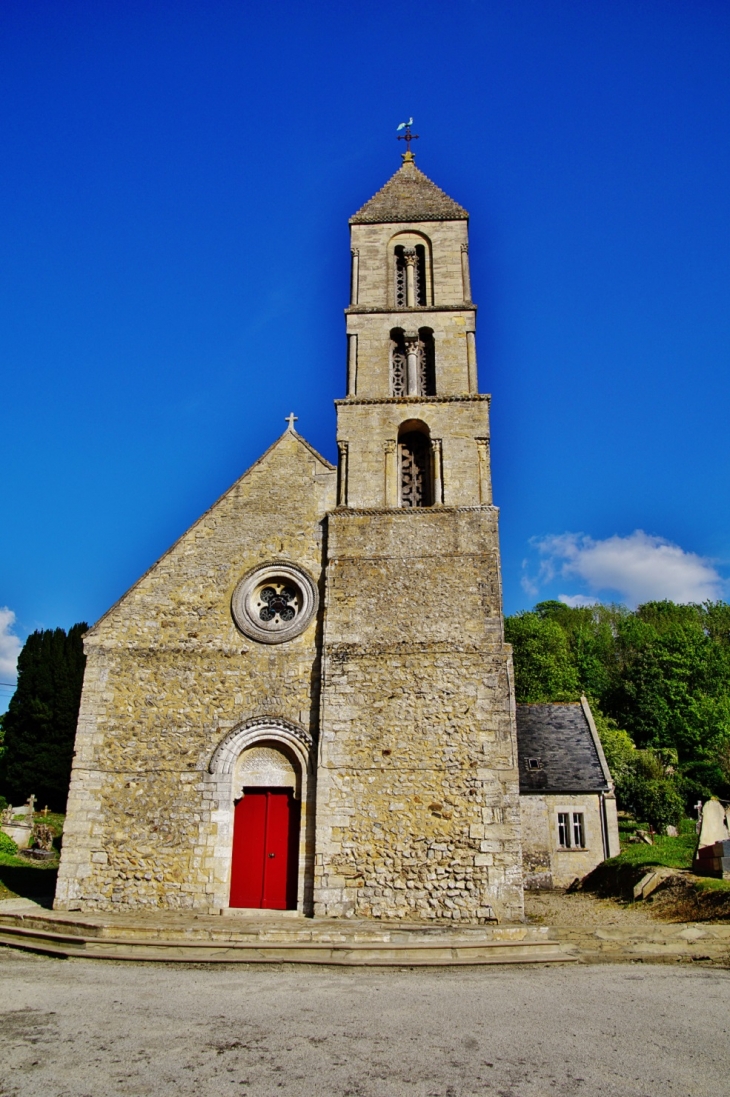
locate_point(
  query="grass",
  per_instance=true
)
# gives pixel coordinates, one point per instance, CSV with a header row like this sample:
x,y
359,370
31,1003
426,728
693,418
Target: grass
x,y
707,883
672,852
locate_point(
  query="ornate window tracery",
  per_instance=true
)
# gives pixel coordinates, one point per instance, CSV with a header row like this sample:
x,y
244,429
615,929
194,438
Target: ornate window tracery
x,y
426,363
406,256
412,363
274,602
414,453
398,363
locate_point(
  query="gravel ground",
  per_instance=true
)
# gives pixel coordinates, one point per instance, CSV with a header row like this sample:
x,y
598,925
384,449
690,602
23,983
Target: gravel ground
x,y
84,1028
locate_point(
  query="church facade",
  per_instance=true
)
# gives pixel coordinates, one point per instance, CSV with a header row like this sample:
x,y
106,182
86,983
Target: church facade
x,y
307,702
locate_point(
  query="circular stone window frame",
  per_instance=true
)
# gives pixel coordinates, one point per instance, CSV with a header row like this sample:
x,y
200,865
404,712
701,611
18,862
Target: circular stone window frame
x,y
243,610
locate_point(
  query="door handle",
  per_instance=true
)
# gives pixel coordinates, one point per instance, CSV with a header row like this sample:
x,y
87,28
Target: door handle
x,y
272,855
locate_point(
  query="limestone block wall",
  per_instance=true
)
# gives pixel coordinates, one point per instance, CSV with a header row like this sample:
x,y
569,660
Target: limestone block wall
x,y
369,428
545,864
374,244
418,803
370,358
171,684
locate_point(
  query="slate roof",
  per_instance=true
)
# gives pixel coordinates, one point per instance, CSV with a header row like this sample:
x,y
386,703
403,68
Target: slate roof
x,y
409,195
559,738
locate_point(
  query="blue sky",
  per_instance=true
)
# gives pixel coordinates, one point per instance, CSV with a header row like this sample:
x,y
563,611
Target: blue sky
x,y
175,183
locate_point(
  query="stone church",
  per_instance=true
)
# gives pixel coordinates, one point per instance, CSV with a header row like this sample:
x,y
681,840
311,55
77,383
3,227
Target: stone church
x,y
307,703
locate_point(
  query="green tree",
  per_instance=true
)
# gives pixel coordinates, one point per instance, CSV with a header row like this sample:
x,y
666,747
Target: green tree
x,y
544,669
672,686
661,673
40,724
618,746
650,793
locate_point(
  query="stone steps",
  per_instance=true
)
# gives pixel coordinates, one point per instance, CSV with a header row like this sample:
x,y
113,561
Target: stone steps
x,y
211,940
276,938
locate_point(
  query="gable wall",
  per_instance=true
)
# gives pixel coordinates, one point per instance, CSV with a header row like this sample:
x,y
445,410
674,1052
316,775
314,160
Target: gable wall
x,y
168,676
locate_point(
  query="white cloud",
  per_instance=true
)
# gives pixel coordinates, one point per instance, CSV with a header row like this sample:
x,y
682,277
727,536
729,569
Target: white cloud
x,y
639,568
576,600
10,646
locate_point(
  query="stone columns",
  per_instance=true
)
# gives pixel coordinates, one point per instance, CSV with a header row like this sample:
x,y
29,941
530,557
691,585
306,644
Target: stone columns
x,y
438,483
410,258
471,360
391,473
351,365
343,447
411,340
485,479
355,277
465,277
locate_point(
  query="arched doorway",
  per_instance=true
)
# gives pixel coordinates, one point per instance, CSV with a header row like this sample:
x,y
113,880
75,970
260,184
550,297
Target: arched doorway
x,y
264,755
266,822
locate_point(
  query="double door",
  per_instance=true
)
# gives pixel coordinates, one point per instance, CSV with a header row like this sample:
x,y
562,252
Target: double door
x,y
265,849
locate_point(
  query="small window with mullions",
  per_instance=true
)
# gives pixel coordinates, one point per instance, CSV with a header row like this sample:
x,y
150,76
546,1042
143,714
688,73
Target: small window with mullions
x,y
571,830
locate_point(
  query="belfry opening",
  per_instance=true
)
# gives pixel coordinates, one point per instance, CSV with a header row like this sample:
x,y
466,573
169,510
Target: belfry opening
x,y
415,457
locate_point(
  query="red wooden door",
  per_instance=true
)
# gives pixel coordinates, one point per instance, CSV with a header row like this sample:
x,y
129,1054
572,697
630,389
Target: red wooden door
x,y
265,849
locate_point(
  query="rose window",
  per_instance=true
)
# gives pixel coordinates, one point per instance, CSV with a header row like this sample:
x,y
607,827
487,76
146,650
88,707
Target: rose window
x,y
274,602
278,601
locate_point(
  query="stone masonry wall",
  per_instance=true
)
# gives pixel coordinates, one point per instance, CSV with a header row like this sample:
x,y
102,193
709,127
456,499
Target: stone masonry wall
x,y
418,803
375,245
169,675
371,319
545,864
370,429
372,374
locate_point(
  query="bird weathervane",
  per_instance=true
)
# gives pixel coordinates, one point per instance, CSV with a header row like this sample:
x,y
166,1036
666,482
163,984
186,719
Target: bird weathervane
x,y
407,137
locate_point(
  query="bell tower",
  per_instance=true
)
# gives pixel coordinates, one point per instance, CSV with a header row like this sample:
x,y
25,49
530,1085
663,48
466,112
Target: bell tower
x,y
417,783
411,345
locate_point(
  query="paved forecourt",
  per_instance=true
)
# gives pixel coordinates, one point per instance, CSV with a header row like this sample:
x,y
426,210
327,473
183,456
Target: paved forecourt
x,y
72,1028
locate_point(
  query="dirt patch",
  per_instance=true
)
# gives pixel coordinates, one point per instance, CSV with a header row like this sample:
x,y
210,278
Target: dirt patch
x,y
687,898
584,910
609,890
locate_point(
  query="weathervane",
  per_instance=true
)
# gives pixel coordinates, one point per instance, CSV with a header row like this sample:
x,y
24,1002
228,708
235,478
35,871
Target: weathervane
x,y
407,137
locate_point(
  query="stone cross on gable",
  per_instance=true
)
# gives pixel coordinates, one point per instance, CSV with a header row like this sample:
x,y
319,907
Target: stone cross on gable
x,y
291,419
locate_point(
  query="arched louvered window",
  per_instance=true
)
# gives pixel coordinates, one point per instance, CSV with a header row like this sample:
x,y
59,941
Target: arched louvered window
x,y
410,275
426,363
415,465
412,363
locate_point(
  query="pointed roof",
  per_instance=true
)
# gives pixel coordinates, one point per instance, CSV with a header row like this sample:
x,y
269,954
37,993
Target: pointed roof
x,y
409,195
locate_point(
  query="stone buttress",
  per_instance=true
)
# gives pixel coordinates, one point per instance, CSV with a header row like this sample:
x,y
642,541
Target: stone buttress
x,y
417,785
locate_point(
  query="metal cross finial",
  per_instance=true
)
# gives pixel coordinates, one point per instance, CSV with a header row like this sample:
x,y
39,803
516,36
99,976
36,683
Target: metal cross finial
x,y
407,136
291,419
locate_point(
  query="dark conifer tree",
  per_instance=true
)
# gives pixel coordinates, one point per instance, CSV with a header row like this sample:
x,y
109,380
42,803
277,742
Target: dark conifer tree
x,y
40,724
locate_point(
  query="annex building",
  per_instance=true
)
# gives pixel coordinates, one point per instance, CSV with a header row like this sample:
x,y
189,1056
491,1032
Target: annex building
x,y
307,703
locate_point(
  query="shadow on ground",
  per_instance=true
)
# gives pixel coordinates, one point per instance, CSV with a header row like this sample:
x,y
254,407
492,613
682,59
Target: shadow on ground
x,y
30,882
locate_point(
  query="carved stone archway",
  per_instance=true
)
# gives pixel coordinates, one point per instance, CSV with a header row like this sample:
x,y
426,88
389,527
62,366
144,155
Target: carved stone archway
x,y
296,744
